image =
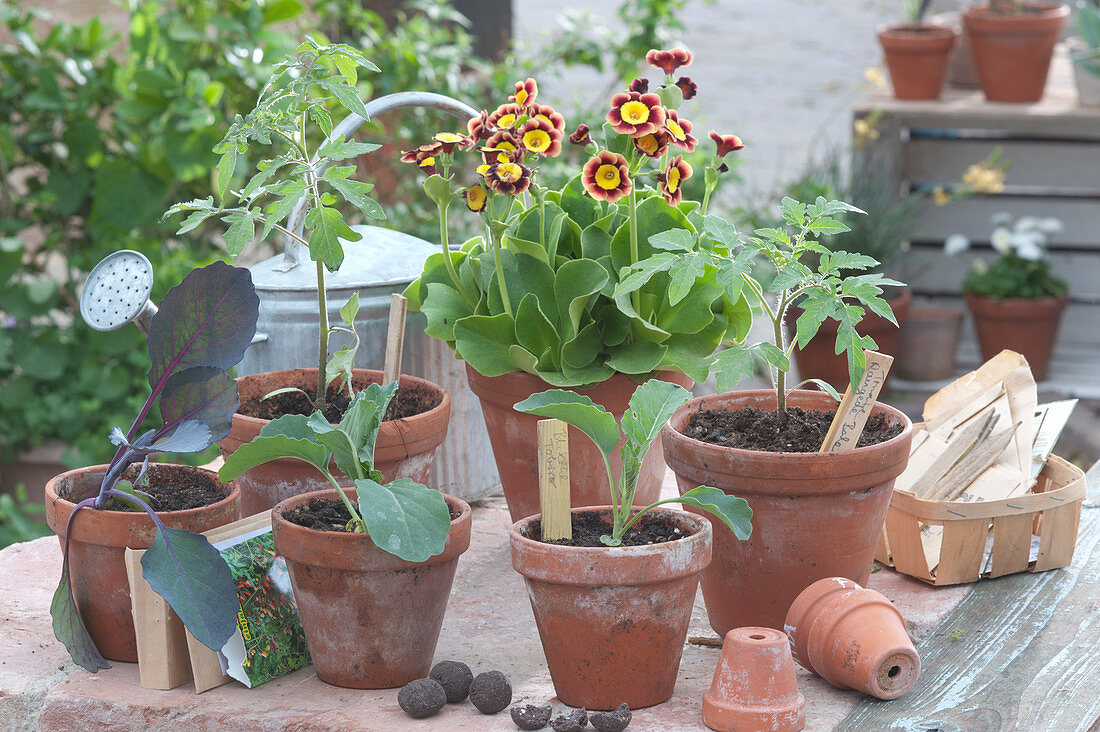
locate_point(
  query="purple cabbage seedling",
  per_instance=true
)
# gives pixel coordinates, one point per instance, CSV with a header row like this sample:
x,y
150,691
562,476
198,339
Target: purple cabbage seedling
x,y
202,329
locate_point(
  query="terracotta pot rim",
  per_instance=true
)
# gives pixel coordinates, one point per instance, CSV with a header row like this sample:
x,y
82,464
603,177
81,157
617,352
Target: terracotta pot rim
x,y
444,404
925,36
980,15
1046,299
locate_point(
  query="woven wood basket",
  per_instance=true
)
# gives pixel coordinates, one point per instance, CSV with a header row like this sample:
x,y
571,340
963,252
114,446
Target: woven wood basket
x,y
1050,512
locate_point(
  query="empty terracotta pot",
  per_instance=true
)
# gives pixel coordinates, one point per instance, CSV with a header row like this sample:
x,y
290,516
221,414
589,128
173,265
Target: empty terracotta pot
x,y
927,344
515,444
97,548
405,448
613,620
371,619
1012,51
917,56
853,638
754,686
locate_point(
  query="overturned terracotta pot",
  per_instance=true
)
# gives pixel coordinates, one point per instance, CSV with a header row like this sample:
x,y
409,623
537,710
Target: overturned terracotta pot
x,y
853,638
405,448
754,686
613,620
371,619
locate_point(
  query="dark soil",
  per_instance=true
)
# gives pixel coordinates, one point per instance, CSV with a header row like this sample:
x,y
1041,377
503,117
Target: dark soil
x,y
409,401
615,721
171,488
421,698
329,514
756,429
491,692
575,721
652,528
530,717
455,677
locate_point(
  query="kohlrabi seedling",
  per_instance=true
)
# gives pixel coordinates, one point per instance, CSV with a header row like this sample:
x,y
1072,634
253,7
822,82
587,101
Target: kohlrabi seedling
x,y
203,327
402,517
651,405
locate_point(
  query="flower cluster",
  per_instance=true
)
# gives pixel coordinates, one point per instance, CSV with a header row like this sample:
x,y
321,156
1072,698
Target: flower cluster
x,y
1026,239
1021,270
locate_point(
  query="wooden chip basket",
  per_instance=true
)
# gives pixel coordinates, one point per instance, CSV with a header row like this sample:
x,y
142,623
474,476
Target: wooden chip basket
x,y
1051,512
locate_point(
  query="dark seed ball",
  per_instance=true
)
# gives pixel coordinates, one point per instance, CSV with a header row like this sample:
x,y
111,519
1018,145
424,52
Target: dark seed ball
x,y
573,722
490,692
615,721
455,678
422,698
531,717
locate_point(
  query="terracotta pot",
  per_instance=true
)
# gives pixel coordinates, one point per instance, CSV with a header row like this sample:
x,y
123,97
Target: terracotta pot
x,y
927,344
818,360
371,619
515,443
754,686
97,567
1013,50
405,447
917,56
814,514
853,638
613,620
1028,326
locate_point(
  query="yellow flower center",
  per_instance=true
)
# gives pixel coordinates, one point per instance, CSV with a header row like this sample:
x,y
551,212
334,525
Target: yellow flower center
x,y
521,97
607,177
509,172
483,169
447,137
634,113
505,145
505,121
427,162
673,181
536,140
475,197
676,130
648,144
545,119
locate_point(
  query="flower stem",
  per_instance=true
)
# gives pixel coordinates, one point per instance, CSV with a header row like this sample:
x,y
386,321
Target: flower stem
x,y
635,296
322,345
444,240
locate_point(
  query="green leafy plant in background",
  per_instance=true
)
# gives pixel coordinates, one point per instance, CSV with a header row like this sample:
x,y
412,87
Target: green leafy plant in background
x,y
651,405
21,519
402,517
1088,29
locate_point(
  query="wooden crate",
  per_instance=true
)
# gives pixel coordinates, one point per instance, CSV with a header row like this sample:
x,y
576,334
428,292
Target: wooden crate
x,y
1051,512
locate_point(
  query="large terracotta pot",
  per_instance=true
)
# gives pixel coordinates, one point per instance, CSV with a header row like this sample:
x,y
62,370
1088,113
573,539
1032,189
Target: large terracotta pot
x,y
1013,50
371,619
515,443
1028,326
917,56
405,447
613,620
818,360
927,344
814,515
97,549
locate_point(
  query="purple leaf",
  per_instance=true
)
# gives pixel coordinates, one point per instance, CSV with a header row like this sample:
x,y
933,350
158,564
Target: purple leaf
x,y
202,393
189,436
68,627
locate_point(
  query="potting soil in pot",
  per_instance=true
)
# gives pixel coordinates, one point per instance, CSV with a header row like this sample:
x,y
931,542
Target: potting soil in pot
x,y
409,401
758,429
325,514
170,490
589,527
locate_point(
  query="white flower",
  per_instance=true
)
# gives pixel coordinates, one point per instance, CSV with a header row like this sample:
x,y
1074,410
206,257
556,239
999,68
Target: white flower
x,y
955,244
1051,225
1027,223
1001,218
1001,240
1030,251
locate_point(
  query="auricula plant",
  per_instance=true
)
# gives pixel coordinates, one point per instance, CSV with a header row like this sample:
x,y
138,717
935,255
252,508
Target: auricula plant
x,y
651,405
203,327
403,517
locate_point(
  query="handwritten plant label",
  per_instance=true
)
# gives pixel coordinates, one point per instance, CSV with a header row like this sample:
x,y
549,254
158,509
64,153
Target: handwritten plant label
x,y
855,408
553,439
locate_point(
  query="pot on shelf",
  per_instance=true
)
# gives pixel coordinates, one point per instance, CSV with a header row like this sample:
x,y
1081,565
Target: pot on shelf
x,y
1027,325
405,447
97,549
371,619
613,620
927,344
515,442
917,56
1012,51
814,515
1087,82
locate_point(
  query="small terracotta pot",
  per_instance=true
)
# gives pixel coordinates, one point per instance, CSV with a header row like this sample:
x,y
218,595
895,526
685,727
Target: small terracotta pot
x,y
1086,82
1013,50
853,638
814,514
754,686
405,448
613,620
917,56
97,565
515,442
371,619
927,344
1028,326
818,360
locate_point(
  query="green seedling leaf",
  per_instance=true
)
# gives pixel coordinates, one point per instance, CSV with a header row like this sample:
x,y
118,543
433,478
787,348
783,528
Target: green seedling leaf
x,y
578,411
364,417
404,518
338,442
483,341
284,390
344,149
734,512
350,309
327,229
281,438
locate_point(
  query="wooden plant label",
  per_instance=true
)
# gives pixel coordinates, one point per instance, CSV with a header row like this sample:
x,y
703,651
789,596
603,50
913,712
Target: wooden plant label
x,y
554,479
395,338
855,407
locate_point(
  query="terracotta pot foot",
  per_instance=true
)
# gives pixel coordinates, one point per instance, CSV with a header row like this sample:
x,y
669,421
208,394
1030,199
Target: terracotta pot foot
x,y
754,686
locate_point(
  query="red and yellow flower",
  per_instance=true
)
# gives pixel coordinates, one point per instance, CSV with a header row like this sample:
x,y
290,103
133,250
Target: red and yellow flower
x,y
672,179
449,140
688,88
479,127
636,114
476,198
504,140
526,91
548,113
669,61
581,136
726,143
508,178
679,131
606,177
506,116
640,85
424,157
654,144
538,135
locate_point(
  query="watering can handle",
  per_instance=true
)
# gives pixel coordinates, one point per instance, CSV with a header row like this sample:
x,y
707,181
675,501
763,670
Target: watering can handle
x,y
351,123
